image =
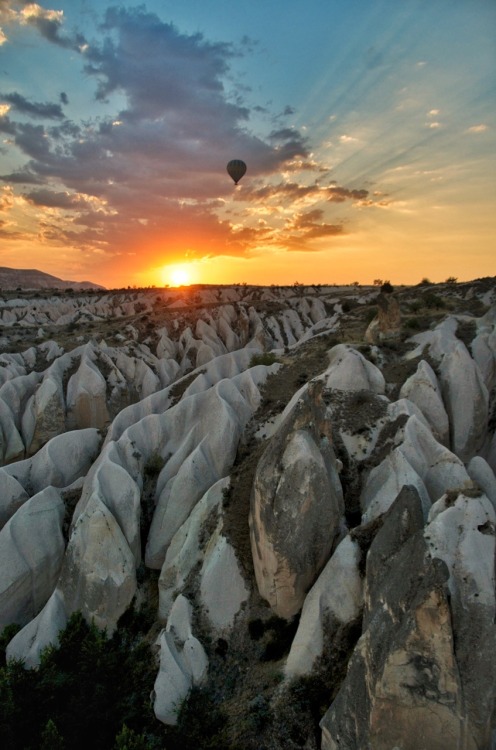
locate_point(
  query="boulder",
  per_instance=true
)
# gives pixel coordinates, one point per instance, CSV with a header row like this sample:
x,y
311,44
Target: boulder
x,y
49,411
297,505
483,347
385,482
438,468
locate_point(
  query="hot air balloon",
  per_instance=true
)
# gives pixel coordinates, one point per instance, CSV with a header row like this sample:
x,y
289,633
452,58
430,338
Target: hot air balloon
x,y
236,169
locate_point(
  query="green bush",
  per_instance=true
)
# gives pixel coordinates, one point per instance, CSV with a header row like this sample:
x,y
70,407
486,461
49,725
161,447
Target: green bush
x,y
433,301
266,358
83,692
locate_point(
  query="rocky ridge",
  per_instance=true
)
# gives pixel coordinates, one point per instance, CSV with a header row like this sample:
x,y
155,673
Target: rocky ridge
x,y
295,477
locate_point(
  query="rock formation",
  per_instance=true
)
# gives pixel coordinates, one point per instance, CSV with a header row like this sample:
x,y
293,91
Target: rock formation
x,y
291,496
297,505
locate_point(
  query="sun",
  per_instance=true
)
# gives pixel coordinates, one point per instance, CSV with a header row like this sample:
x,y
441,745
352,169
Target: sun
x,y
179,276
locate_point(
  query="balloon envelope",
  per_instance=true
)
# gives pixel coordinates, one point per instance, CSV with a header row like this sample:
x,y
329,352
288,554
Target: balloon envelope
x,y
236,169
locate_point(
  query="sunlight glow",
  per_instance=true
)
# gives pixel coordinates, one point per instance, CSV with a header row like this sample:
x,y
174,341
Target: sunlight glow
x,y
177,275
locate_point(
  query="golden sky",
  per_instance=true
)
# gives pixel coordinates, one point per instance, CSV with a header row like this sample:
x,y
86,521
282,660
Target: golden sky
x,y
368,130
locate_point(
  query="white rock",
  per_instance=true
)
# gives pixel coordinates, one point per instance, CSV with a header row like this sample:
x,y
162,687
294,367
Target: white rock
x,y
204,431
41,632
455,534
31,552
466,399
222,587
12,496
385,482
59,463
185,550
439,469
87,396
348,370
480,471
423,389
98,575
338,592
183,663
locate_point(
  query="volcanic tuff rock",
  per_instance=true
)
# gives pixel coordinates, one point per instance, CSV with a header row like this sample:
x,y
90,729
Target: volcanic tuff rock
x,y
387,324
236,456
404,685
31,553
297,505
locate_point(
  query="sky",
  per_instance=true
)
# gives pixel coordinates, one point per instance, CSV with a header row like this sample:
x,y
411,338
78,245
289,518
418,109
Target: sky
x,y
368,128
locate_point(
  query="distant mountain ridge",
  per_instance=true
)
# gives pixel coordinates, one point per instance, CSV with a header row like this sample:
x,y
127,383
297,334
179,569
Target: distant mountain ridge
x,y
30,278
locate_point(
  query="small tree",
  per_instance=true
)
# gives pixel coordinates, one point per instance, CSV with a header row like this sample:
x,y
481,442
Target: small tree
x,y
451,280
128,739
378,282
387,287
51,739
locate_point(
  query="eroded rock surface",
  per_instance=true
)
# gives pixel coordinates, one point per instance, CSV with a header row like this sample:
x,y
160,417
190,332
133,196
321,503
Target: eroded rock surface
x,y
132,439
297,505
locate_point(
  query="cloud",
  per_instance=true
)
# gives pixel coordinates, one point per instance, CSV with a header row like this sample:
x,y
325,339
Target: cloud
x,y
150,178
6,198
481,128
310,225
294,192
22,177
52,199
34,109
49,23
46,22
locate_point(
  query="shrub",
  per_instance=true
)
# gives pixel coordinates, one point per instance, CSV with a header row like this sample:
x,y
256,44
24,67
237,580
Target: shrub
x,y
154,465
83,692
200,724
413,324
266,358
432,300
387,288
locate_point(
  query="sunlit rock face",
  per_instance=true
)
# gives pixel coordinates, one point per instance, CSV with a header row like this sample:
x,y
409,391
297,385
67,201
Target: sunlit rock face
x,y
297,505
387,324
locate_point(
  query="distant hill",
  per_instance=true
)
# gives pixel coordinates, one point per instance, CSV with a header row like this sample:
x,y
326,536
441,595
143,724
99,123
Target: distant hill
x,y
14,278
